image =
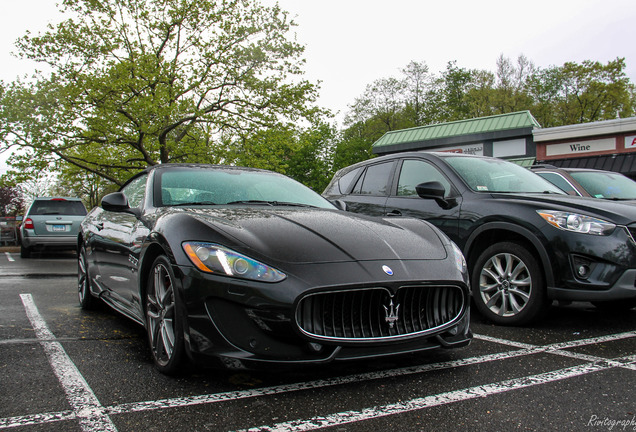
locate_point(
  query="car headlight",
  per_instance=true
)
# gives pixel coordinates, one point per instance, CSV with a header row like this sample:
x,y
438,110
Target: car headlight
x,y
213,258
576,222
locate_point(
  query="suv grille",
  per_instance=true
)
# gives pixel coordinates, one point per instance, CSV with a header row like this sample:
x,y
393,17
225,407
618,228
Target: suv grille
x,y
364,314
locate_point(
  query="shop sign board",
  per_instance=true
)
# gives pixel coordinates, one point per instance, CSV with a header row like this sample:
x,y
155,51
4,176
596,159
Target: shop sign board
x,y
471,149
574,148
630,141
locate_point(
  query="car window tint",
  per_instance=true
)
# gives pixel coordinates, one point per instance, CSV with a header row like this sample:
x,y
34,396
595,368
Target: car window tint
x,y
345,181
559,181
415,172
135,191
375,180
57,206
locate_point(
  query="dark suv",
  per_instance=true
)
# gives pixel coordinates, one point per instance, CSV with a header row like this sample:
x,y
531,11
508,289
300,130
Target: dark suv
x,y
526,241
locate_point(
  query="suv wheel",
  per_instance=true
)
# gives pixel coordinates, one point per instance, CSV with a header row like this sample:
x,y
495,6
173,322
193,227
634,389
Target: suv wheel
x,y
25,252
508,285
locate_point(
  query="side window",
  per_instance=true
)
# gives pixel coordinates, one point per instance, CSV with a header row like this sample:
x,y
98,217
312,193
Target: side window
x,y
135,191
415,172
340,185
345,181
559,181
375,181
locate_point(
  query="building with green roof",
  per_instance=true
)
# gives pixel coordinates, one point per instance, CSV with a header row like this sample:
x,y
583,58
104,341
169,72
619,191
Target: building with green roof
x,y
508,136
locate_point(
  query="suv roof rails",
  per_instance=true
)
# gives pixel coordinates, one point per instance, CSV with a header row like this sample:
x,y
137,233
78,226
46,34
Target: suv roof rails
x,y
542,166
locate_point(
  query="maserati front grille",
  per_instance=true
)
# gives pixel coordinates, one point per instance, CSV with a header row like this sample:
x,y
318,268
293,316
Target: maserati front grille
x,y
364,314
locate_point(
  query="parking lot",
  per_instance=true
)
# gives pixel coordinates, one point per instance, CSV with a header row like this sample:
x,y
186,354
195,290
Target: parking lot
x,y
62,368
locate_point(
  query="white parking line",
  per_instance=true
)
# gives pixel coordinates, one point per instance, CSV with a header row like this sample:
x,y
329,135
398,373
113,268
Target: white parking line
x,y
92,416
439,399
9,257
83,401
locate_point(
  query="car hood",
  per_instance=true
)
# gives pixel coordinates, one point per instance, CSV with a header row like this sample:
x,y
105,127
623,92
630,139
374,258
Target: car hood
x,y
618,212
318,235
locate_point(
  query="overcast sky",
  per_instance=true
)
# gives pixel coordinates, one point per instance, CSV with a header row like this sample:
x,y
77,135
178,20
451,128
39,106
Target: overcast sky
x,y
351,43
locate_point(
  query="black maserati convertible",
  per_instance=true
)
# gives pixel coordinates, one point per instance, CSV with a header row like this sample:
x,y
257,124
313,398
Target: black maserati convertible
x,y
250,267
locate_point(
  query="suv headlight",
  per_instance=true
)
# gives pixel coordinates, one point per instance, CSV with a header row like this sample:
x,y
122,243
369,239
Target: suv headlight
x,y
460,261
213,258
576,222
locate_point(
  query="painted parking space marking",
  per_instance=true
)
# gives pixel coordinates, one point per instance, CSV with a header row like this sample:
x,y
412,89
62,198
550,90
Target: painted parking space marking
x,y
91,415
9,257
83,401
440,399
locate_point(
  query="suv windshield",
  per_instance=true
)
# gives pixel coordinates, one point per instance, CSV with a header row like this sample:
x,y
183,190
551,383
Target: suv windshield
x,y
606,185
496,175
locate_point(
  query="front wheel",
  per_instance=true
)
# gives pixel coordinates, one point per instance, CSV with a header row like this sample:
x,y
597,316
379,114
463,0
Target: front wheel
x,y
86,300
508,285
165,332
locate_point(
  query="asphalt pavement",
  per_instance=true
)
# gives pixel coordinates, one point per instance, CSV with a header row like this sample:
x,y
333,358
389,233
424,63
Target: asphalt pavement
x,y
65,369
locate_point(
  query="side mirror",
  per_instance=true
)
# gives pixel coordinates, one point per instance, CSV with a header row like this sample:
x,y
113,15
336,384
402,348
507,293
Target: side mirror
x,y
118,203
435,190
341,205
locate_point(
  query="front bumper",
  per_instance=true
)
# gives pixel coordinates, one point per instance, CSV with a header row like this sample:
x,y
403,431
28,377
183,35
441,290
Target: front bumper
x,y
248,325
592,268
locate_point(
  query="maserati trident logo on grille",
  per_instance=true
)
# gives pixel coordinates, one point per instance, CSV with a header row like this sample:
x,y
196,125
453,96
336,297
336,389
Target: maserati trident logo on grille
x,y
391,313
387,270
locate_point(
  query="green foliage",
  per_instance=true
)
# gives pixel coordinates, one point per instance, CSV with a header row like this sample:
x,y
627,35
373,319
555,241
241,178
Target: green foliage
x,y
140,82
570,94
304,155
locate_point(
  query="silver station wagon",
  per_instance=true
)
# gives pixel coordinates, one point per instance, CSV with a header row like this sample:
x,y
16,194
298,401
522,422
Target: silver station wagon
x,y
51,223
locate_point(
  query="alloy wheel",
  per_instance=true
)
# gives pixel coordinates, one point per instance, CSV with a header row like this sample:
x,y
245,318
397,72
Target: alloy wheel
x,y
505,284
160,313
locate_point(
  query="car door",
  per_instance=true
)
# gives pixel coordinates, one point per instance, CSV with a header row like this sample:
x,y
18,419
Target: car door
x,y
370,192
405,202
118,247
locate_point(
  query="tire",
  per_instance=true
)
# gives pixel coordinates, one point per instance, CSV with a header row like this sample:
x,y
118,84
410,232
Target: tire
x,y
86,299
615,305
25,252
163,325
508,285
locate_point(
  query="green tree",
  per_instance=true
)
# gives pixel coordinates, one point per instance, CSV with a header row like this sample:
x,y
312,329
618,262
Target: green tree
x,y
592,91
139,82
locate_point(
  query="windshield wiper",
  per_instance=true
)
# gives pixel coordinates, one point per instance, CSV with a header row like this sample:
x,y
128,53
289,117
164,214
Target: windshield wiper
x,y
258,202
192,203
270,203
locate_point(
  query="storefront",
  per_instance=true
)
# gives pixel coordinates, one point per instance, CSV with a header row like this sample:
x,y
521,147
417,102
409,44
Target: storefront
x,y
507,136
608,145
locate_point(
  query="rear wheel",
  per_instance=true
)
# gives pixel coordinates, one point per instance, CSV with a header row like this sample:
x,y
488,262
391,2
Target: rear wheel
x,y
25,252
86,299
508,285
165,332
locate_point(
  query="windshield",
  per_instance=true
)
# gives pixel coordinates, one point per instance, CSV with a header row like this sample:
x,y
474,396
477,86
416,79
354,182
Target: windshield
x,y
496,175
607,185
222,186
